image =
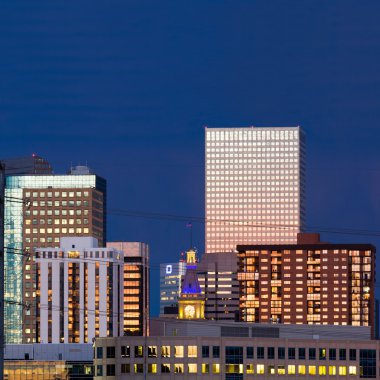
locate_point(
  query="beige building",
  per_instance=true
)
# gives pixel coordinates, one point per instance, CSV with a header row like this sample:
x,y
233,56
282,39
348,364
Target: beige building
x,y
190,350
255,186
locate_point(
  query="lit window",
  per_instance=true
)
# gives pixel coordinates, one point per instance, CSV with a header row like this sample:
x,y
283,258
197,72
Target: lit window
x,y
192,368
165,351
205,368
192,351
178,351
342,370
260,369
302,369
322,370
332,370
291,369
352,370
216,368
250,369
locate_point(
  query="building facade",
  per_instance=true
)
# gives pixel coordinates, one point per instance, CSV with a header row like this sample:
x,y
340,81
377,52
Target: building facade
x,y
170,284
238,351
48,361
255,186
316,283
135,299
79,289
39,209
33,164
217,276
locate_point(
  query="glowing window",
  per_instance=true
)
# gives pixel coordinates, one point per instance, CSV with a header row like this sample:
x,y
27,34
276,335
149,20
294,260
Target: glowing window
x,y
192,351
302,369
322,370
205,368
332,370
165,351
260,369
192,368
216,368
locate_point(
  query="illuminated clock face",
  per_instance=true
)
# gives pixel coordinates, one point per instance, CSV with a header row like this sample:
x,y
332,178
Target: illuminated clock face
x,y
189,311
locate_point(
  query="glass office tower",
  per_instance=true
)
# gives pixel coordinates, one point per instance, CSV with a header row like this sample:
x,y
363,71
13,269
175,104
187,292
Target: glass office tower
x,y
255,186
39,209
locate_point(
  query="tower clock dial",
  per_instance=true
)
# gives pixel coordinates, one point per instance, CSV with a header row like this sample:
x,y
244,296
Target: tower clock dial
x,y
189,311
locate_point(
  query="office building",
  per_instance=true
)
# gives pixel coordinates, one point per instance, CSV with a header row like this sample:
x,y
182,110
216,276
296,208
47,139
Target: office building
x,y
48,361
39,209
255,186
33,164
170,285
310,282
78,294
214,350
218,280
135,298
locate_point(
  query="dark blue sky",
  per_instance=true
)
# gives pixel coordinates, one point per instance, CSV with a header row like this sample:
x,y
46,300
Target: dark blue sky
x,y
128,86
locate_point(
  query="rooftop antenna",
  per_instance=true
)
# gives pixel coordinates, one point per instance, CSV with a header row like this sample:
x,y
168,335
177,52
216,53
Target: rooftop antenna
x,y
190,226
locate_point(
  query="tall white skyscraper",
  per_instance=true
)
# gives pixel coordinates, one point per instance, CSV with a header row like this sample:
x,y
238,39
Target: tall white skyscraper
x,y
255,186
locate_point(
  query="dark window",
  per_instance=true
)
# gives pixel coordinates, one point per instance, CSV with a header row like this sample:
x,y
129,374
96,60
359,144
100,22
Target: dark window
x,y
139,352
332,354
99,352
110,369
322,354
152,351
342,354
249,352
215,351
368,364
99,370
260,352
125,368
281,353
234,355
312,353
110,352
205,351
291,353
352,354
139,368
302,353
125,351
165,368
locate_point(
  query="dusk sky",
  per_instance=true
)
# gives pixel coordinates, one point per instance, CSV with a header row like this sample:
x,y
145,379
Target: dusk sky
x,y
128,86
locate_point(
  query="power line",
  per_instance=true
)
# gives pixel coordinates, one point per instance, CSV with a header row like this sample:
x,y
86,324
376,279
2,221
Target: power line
x,y
252,223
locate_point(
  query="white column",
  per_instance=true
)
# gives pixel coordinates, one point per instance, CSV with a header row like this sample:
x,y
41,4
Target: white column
x,y
44,313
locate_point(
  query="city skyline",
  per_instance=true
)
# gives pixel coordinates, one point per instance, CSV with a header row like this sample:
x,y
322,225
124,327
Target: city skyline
x,y
131,97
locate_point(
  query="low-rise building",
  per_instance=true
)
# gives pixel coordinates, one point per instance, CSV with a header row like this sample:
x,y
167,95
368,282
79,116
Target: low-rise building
x,y
216,350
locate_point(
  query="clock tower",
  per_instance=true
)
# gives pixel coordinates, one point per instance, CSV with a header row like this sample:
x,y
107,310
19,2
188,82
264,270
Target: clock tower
x,y
191,303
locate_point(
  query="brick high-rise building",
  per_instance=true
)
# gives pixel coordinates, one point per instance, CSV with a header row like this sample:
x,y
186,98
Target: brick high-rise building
x,y
307,283
39,209
255,186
